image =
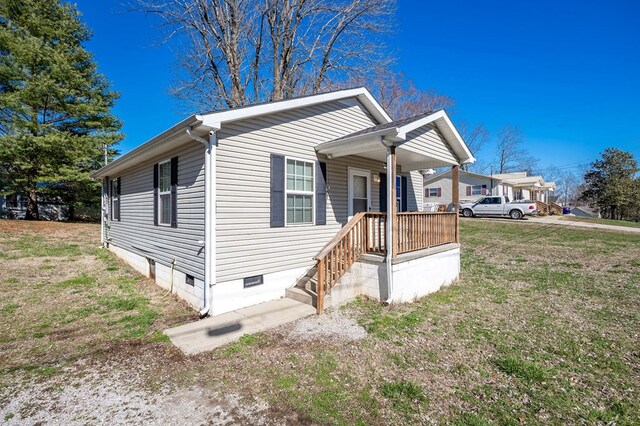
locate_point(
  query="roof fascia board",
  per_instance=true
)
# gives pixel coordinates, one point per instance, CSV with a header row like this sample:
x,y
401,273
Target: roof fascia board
x,y
360,93
192,121
463,172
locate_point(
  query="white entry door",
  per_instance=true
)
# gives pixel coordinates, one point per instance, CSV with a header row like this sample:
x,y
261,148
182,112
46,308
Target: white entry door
x,y
359,191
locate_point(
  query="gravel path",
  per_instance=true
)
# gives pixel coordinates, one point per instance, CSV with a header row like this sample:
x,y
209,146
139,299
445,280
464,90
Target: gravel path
x,y
333,325
117,399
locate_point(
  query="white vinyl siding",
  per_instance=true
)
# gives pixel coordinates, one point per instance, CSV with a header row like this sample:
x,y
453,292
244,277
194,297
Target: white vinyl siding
x,y
427,141
163,243
246,243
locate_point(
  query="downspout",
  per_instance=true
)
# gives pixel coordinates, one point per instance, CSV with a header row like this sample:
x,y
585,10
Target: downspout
x,y
209,215
389,231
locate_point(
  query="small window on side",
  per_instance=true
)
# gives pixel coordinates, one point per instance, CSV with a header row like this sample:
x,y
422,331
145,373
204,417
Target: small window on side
x,y
164,193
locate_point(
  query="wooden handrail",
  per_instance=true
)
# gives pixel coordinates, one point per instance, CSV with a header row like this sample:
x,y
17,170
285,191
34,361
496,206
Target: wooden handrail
x,y
366,233
340,235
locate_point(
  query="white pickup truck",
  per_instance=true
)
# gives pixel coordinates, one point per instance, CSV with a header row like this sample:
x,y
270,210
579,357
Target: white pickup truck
x,y
498,206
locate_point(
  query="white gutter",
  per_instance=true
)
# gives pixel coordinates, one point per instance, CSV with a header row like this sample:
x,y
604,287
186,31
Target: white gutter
x,y
209,215
103,213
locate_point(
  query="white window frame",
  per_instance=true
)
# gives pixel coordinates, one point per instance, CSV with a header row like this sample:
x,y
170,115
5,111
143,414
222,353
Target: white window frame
x,y
312,193
114,197
473,190
352,171
161,193
434,195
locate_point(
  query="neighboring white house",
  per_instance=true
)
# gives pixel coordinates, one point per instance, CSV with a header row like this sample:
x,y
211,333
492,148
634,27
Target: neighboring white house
x,y
527,187
246,205
472,186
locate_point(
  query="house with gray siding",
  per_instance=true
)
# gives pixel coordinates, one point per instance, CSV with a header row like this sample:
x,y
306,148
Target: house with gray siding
x,y
236,207
472,187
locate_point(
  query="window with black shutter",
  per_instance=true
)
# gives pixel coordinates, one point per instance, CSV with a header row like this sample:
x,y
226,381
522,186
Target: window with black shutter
x,y
165,191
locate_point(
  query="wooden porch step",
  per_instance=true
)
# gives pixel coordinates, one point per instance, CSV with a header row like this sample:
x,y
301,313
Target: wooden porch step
x,y
305,296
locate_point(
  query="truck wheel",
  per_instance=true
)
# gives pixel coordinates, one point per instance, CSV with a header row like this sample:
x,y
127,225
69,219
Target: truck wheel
x,y
515,214
467,213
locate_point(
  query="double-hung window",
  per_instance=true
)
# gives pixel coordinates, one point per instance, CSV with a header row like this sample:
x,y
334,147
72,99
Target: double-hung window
x,y
433,192
115,199
299,191
476,190
164,193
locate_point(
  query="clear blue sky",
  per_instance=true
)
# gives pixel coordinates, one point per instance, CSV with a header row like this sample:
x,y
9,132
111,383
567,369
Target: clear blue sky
x,y
566,72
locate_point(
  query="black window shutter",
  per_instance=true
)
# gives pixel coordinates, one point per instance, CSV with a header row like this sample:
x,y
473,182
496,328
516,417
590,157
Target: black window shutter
x,y
277,191
109,201
155,194
117,206
174,192
321,193
404,190
383,192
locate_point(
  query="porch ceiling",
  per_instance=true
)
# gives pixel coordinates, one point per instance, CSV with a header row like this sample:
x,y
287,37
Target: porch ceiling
x,y
408,160
426,141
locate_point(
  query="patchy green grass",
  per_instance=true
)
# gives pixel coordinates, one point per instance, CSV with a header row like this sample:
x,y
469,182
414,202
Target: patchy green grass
x,y
542,328
521,368
405,397
62,299
601,221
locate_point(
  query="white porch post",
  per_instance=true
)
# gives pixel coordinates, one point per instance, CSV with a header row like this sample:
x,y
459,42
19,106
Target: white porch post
x,y
391,232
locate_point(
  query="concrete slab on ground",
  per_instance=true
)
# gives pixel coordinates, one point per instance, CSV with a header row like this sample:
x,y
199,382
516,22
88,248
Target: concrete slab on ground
x,y
210,333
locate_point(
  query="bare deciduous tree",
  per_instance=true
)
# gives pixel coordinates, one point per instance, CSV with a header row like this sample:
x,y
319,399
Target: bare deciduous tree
x,y
510,155
238,52
475,137
398,95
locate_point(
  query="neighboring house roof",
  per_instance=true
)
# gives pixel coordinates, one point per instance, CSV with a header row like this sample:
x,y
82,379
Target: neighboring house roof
x,y
536,181
462,172
397,131
510,175
551,186
214,120
588,210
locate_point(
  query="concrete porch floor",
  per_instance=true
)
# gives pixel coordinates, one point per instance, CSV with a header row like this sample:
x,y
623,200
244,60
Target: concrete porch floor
x,y
210,333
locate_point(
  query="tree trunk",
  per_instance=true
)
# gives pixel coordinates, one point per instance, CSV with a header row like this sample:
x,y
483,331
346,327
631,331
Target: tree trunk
x,y
32,205
71,212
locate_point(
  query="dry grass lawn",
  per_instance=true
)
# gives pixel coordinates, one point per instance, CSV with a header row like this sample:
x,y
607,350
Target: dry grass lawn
x,y
543,328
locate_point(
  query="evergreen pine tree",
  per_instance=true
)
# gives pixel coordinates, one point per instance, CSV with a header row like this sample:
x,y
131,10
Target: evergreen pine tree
x,y
55,107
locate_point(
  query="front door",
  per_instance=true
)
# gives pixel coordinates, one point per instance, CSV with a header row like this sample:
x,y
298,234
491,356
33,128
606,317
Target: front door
x,y
359,191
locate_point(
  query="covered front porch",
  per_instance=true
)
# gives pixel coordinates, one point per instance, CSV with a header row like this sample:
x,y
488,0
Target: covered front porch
x,y
424,142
